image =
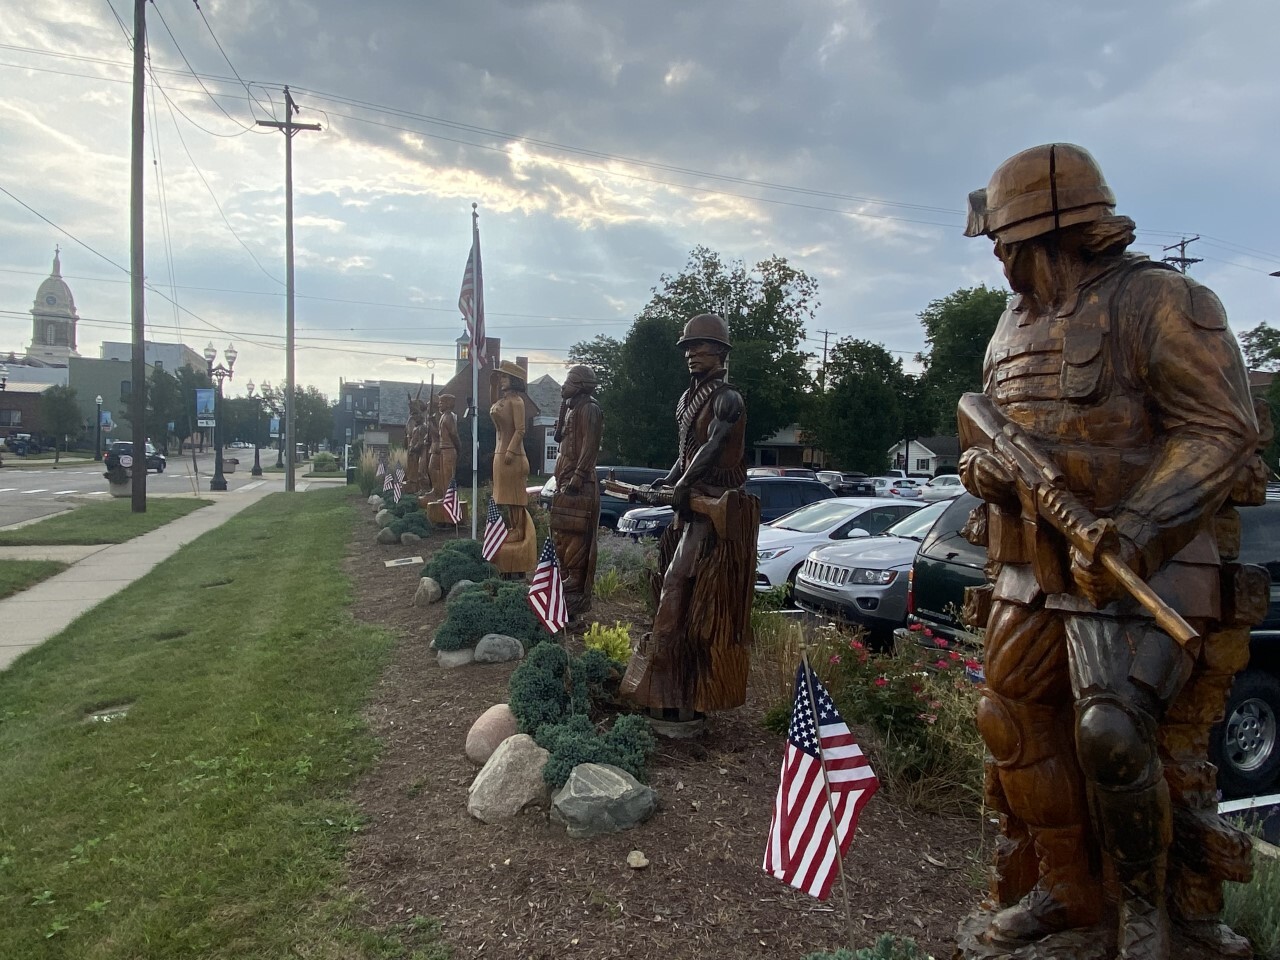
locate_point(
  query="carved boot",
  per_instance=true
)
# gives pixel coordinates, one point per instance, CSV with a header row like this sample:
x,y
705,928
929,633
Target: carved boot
x,y
1144,919
1065,896
1218,937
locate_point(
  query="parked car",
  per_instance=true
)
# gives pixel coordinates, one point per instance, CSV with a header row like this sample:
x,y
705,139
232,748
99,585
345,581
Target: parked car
x,y
778,497
155,460
864,582
896,487
23,444
783,544
782,472
1244,746
851,484
612,506
942,487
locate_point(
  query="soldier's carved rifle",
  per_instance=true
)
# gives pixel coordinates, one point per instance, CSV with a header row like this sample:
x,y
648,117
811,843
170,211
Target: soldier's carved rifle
x,y
1043,493
723,510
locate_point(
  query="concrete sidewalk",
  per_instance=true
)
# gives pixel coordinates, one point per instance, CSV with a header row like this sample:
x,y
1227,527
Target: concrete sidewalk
x,y
29,618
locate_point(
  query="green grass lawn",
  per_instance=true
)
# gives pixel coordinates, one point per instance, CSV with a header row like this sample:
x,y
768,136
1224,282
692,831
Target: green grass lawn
x,y
212,819
104,521
17,575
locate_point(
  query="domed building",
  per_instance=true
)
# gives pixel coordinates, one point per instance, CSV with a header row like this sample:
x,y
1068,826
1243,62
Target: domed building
x,y
53,320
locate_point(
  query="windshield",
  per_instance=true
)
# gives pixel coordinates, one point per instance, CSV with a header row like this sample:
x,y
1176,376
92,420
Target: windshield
x,y
814,517
915,525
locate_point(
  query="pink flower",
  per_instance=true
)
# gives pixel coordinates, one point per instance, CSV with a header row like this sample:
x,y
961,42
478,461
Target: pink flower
x,y
942,664
972,665
835,658
881,682
915,626
855,645
940,642
928,632
955,655
930,718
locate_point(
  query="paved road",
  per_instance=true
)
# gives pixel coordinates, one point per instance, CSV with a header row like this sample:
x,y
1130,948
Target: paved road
x,y
27,493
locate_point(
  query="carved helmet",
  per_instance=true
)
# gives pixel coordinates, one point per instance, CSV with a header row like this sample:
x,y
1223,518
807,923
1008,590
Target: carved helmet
x,y
1038,191
706,326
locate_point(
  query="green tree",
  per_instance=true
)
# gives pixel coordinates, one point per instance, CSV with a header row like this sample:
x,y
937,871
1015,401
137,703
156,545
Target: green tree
x,y
60,416
956,329
602,354
1261,347
312,417
860,416
184,419
164,406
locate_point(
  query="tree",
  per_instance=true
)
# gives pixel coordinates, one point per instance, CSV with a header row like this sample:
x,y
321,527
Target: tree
x,y
60,415
1261,347
860,416
184,420
957,329
164,407
312,417
603,354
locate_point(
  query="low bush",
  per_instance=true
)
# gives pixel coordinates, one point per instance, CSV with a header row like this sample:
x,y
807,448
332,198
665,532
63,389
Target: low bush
x,y
623,565
627,745
324,462
494,606
614,642
1253,909
887,947
411,522
458,560
775,655
367,478
548,686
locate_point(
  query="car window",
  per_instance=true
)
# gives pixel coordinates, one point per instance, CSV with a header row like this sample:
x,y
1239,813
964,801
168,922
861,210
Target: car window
x,y
876,519
1260,536
813,517
916,523
944,541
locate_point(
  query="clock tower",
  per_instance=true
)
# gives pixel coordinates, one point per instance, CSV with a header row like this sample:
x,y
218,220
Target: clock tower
x,y
53,320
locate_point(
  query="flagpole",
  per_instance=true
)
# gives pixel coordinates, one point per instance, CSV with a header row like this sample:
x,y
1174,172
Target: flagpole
x,y
475,374
826,787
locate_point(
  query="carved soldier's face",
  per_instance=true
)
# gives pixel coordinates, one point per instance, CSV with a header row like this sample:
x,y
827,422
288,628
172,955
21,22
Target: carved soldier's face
x,y
446,404
703,357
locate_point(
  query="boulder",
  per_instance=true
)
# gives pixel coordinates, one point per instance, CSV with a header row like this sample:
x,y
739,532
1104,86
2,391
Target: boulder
x,y
408,537
498,648
383,517
493,727
428,592
510,781
601,798
458,587
385,535
375,501
455,658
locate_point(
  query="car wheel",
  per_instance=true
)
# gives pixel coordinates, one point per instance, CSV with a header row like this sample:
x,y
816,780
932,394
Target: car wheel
x,y
160,467
1244,745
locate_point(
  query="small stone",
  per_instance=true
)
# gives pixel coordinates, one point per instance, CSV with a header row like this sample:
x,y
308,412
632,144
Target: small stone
x,y
455,658
428,592
408,537
637,860
498,648
375,501
458,587
510,781
385,536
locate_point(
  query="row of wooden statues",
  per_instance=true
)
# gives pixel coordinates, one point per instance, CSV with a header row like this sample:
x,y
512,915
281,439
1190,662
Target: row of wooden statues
x,y
431,439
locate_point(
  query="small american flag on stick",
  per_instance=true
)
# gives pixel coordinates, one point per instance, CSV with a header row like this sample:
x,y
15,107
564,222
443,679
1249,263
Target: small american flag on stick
x,y
546,592
450,502
382,469
397,490
495,532
825,778
388,481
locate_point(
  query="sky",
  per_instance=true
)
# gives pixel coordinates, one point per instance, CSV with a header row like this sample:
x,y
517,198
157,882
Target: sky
x,y
601,141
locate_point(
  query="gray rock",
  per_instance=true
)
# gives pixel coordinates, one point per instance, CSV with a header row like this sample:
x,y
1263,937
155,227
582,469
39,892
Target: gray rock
x,y
498,648
458,587
601,798
386,536
510,781
455,658
408,537
493,727
428,592
375,500
383,517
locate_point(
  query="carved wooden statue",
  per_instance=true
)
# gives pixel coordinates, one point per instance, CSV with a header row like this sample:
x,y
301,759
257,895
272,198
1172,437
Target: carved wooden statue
x,y
1113,439
431,452
447,443
697,655
575,509
510,413
415,439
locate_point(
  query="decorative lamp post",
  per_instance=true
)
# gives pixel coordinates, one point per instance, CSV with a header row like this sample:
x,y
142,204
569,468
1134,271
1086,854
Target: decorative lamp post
x,y
218,374
97,432
257,428
4,377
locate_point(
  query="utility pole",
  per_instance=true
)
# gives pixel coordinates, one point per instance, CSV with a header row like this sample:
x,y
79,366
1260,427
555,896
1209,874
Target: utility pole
x,y
138,388
289,128
822,372
1182,261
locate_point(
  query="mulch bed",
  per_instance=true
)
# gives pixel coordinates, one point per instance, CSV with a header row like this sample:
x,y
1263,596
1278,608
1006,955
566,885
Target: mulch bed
x,y
524,889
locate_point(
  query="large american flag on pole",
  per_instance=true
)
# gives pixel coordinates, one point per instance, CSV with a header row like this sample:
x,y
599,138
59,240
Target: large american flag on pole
x,y
801,850
495,532
546,592
450,501
471,299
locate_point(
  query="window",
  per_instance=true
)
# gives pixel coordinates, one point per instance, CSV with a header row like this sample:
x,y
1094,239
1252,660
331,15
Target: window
x,y
922,465
348,400
160,365
126,390
10,418
49,334
553,451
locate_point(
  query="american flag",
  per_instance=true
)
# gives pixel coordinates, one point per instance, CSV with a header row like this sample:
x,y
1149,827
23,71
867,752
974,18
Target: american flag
x,y
471,299
397,489
450,501
495,532
382,469
399,474
546,592
388,480
800,850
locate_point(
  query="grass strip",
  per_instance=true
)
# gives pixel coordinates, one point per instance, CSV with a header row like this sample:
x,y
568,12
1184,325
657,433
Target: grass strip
x,y
103,521
17,575
175,765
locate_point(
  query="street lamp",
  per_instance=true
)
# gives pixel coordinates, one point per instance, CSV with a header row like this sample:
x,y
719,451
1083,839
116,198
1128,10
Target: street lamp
x,y
4,376
257,428
218,374
97,433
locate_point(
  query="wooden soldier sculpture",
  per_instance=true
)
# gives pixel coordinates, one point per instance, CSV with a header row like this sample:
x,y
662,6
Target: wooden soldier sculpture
x,y
575,508
1114,433
444,461
518,554
696,657
431,454
415,438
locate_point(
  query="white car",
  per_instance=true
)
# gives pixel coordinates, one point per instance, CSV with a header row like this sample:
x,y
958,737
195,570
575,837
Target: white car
x,y
941,487
784,543
896,487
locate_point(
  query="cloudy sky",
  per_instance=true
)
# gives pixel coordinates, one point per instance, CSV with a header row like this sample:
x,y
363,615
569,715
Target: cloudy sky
x,y
602,140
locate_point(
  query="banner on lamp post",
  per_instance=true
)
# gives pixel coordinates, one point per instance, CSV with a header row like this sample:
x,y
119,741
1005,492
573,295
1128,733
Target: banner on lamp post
x,y
205,410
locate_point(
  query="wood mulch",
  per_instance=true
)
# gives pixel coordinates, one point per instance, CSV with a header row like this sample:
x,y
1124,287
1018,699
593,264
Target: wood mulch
x,y
524,889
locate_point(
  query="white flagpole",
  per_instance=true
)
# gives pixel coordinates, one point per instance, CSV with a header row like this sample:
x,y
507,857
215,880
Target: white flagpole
x,y
475,372
826,787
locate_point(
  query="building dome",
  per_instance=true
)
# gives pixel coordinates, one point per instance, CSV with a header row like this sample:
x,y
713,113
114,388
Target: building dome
x,y
54,296
53,319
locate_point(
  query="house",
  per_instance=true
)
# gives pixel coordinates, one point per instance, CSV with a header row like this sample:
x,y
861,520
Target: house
x,y
931,455
789,447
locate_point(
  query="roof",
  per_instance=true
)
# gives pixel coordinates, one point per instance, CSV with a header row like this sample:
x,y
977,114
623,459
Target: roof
x,y
938,446
25,387
545,393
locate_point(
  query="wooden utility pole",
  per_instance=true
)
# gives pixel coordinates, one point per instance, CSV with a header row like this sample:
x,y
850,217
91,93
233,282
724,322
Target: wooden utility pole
x,y
822,371
289,128
1182,261
138,388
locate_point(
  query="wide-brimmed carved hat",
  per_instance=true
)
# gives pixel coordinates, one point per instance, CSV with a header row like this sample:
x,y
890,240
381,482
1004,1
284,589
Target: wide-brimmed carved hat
x,y
511,370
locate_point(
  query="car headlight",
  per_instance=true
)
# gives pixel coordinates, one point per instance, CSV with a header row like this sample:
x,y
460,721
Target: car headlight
x,y
646,524
771,554
878,578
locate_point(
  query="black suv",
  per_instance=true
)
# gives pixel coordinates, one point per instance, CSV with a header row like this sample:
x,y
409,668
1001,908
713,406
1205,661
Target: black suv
x,y
124,448
778,497
1244,746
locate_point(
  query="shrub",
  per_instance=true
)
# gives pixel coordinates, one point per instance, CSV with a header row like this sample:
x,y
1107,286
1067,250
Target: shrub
x,y
324,462
627,745
367,478
887,947
614,642
548,687
776,654
458,560
494,606
411,522
623,564
1253,909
